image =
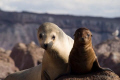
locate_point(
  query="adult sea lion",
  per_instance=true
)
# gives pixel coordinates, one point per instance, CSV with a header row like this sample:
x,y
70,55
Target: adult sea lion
x,y
82,58
57,47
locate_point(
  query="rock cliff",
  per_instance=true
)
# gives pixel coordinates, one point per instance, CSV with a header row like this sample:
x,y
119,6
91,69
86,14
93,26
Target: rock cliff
x,y
21,26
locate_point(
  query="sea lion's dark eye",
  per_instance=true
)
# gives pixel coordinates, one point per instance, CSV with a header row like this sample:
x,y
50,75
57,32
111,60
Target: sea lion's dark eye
x,y
40,36
53,37
88,35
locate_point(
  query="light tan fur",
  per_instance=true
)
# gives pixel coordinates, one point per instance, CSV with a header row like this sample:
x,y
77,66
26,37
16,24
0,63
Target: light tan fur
x,y
28,74
55,60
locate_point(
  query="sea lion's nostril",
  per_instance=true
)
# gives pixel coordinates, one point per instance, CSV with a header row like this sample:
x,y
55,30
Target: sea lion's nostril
x,y
45,46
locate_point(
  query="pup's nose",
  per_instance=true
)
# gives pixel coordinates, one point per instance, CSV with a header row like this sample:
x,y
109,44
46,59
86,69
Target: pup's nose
x,y
45,46
82,39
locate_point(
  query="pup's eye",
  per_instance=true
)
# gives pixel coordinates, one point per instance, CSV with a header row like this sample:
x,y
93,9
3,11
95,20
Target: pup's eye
x,y
40,36
88,35
53,37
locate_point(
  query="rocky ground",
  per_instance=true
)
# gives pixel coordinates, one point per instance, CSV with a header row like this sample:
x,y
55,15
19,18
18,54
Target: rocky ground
x,y
7,65
108,53
24,56
102,75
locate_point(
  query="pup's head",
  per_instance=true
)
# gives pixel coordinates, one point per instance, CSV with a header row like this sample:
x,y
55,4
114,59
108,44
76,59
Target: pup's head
x,y
48,34
82,36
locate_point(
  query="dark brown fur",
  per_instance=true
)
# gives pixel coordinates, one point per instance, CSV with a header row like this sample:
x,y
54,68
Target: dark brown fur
x,y
82,58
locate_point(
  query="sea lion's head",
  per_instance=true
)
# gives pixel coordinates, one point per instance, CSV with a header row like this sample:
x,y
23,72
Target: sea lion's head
x,y
82,36
48,35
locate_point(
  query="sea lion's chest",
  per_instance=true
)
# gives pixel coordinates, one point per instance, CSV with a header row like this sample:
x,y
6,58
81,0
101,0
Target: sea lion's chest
x,y
83,60
86,56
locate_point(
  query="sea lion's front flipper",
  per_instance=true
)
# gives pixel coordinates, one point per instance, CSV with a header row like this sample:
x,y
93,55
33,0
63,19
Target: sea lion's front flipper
x,y
96,67
68,72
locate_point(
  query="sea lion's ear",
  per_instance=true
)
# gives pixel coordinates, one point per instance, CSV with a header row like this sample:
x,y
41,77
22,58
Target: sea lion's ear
x,y
91,35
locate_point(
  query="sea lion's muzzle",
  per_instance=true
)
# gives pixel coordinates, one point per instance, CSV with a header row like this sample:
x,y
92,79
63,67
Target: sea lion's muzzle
x,y
45,46
82,39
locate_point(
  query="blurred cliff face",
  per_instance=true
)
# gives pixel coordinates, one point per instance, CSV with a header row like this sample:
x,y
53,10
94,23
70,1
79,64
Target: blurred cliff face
x,y
21,27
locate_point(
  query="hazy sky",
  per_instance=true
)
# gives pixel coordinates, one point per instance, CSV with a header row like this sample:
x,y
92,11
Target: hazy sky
x,y
101,8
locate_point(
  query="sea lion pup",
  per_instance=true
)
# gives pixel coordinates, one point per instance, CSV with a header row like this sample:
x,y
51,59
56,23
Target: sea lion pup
x,y
57,47
82,58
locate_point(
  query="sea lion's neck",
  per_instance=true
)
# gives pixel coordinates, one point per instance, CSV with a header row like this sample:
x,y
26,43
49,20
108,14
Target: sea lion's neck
x,y
55,57
83,46
87,46
53,53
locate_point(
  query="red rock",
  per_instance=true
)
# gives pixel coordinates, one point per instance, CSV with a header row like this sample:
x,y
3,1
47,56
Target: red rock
x,y
108,54
108,46
7,65
27,56
112,61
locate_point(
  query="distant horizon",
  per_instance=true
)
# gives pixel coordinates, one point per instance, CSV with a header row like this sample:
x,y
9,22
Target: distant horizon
x,y
60,14
96,8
